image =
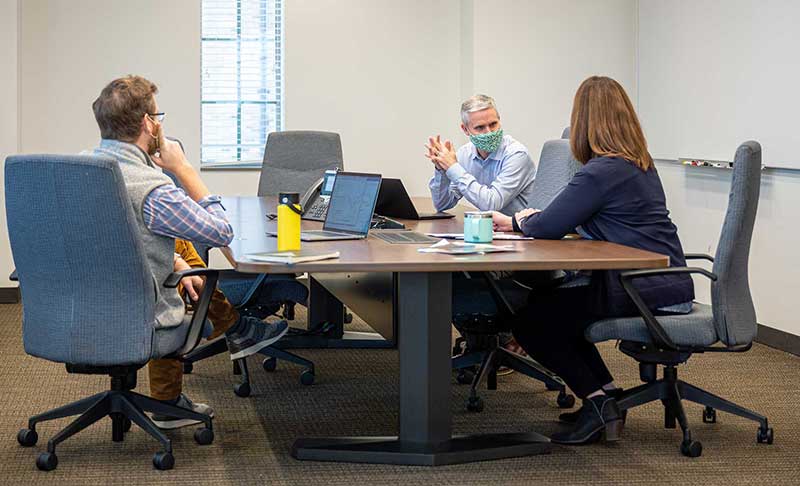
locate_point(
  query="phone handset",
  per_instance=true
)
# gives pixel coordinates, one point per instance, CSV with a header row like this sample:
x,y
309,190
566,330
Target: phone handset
x,y
311,194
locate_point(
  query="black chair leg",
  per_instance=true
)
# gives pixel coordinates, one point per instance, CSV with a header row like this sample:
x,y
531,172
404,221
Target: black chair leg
x,y
689,447
98,411
241,389
467,360
649,392
132,411
702,397
530,368
68,410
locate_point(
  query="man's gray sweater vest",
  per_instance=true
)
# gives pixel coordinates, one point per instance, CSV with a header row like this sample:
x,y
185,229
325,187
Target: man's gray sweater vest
x,y
141,177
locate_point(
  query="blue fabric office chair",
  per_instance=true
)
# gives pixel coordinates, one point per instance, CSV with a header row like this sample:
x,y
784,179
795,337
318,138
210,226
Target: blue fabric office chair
x,y
484,306
103,320
727,325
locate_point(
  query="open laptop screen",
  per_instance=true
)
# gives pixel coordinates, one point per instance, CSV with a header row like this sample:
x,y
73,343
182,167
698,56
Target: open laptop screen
x,y
352,202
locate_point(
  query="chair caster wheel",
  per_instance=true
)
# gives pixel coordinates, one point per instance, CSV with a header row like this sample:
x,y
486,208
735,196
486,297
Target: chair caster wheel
x,y
47,461
307,377
348,318
269,364
475,404
126,425
27,437
188,368
242,390
204,436
764,435
709,415
565,400
163,461
691,448
464,377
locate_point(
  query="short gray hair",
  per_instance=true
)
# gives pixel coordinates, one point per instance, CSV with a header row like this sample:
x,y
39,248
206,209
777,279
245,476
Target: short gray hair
x,y
478,102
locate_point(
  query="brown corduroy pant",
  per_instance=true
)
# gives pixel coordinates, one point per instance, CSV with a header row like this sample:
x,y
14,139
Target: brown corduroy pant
x,y
166,375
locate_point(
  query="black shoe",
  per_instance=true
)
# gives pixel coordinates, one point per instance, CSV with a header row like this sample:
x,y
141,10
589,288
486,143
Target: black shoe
x,y
599,415
572,417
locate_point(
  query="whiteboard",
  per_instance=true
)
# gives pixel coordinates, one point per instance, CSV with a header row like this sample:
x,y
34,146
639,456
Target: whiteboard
x,y
715,73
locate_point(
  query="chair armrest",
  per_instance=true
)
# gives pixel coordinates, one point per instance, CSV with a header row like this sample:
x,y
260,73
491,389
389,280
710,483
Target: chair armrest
x,y
657,332
200,308
698,256
174,278
14,277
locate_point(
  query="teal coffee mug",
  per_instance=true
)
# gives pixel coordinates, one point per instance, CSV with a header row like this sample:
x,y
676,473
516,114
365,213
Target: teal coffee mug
x,y
478,227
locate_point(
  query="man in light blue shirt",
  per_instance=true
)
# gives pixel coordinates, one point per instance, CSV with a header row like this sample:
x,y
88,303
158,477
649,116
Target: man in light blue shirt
x,y
493,171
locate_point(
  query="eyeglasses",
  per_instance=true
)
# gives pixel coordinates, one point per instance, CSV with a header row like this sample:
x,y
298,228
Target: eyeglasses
x,y
159,117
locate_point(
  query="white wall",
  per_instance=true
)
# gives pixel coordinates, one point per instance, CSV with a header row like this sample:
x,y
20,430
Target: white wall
x,y
8,120
70,50
726,69
532,55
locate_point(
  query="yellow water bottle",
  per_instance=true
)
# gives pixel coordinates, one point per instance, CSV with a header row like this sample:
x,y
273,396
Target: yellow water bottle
x,y
289,212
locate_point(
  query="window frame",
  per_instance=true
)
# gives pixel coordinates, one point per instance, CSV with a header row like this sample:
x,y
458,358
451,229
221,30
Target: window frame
x,y
277,68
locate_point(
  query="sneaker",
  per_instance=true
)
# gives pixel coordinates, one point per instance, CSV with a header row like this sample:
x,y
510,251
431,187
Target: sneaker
x,y
167,422
254,336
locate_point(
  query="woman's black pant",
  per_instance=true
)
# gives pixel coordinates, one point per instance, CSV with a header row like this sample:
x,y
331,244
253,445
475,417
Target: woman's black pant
x,y
551,330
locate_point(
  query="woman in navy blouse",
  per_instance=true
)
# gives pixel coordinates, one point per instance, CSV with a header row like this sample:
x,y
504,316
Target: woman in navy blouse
x,y
616,196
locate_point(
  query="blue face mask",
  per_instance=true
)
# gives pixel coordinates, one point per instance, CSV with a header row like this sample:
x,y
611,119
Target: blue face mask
x,y
488,142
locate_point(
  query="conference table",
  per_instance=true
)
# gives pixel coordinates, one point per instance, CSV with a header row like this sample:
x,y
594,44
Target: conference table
x,y
423,310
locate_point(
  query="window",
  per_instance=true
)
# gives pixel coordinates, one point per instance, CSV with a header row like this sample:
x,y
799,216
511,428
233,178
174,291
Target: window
x,y
242,79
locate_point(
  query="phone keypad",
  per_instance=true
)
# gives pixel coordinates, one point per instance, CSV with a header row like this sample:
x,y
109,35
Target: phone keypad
x,y
317,210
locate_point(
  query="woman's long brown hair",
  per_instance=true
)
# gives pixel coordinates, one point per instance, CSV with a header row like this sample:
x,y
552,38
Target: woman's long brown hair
x,y
604,123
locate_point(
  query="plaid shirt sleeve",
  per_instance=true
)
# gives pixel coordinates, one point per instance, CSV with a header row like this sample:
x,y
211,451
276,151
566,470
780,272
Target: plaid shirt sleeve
x,y
169,211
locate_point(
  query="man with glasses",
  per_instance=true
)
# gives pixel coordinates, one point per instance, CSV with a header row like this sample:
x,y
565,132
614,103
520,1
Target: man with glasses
x,y
131,130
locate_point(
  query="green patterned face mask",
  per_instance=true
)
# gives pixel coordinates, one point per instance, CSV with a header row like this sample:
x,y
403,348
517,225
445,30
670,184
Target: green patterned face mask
x,y
488,142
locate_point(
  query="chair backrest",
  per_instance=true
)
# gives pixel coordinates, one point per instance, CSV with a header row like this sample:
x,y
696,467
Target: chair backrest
x,y
734,313
293,160
556,168
565,133
88,294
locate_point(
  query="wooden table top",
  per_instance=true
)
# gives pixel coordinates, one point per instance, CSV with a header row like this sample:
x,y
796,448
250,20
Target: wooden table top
x,y
247,215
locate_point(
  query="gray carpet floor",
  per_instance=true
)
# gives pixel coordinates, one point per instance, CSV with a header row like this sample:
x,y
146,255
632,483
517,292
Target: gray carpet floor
x,y
356,394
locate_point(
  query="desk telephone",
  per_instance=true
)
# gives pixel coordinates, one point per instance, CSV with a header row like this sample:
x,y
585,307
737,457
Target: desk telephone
x,y
317,198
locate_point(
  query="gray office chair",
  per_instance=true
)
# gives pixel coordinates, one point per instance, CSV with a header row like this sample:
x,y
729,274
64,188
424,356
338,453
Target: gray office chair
x,y
293,160
70,220
565,133
484,307
727,325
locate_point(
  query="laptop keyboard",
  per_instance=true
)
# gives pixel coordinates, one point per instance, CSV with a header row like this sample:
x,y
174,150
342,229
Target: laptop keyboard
x,y
403,237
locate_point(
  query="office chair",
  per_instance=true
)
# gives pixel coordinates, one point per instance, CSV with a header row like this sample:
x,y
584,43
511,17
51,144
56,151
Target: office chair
x,y
103,321
293,160
565,133
484,306
730,320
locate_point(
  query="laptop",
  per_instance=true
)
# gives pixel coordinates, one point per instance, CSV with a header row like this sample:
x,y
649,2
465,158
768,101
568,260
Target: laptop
x,y
350,210
393,201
